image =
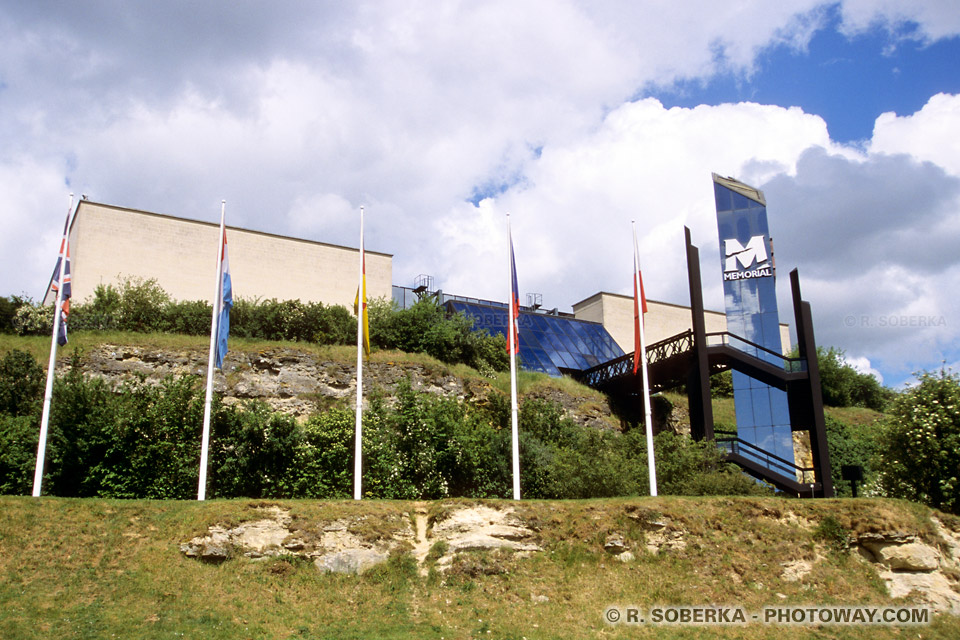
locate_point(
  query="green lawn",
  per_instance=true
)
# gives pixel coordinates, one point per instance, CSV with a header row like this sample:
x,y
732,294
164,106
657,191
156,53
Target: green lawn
x,y
103,568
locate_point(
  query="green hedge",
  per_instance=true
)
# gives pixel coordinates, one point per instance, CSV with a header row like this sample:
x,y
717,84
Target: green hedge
x,y
142,440
143,306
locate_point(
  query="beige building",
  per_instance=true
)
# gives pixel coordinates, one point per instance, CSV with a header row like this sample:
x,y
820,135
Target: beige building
x,y
109,244
662,319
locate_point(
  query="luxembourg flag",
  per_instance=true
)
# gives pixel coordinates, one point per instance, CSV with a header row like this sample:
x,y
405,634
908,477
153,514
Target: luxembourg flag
x,y
225,303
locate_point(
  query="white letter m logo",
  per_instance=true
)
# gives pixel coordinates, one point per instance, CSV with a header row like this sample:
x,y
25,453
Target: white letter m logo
x,y
735,252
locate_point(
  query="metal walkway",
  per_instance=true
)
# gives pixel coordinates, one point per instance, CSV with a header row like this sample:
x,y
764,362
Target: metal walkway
x,y
669,362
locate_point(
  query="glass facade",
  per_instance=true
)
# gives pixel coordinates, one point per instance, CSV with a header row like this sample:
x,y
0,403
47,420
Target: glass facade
x,y
547,342
749,288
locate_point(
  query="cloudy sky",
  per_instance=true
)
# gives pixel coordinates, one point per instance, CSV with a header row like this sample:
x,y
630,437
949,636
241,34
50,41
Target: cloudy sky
x,y
574,116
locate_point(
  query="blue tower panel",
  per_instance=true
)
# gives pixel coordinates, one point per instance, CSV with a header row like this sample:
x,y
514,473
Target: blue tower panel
x,y
750,298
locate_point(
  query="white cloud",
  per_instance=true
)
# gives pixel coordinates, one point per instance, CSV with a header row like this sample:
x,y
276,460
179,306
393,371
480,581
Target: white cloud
x,y
933,133
862,365
926,21
299,113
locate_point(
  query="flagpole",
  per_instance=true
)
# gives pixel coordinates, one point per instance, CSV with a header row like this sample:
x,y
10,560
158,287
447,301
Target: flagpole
x,y
512,333
358,447
648,421
48,392
214,321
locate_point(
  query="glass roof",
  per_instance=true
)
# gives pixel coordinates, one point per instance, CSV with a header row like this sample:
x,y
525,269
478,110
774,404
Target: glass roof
x,y
547,342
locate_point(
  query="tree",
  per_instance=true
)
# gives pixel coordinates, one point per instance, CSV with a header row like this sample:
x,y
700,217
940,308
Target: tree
x,y
844,386
920,446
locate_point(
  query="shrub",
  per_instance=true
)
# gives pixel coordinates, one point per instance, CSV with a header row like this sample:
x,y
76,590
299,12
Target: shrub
x,y
8,311
426,328
322,465
33,320
141,304
189,318
688,467
18,453
844,386
848,446
920,446
22,383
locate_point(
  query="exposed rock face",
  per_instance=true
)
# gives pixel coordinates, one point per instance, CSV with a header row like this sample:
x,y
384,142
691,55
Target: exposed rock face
x,y
910,565
297,382
337,547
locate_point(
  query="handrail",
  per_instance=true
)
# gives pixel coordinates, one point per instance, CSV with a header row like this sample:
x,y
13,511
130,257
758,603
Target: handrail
x,y
771,460
791,365
661,350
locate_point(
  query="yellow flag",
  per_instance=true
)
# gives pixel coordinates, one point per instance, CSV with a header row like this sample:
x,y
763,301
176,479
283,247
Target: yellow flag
x,y
356,309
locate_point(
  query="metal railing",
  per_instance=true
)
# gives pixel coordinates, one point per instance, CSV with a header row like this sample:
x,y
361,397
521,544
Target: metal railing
x,y
790,365
657,352
732,444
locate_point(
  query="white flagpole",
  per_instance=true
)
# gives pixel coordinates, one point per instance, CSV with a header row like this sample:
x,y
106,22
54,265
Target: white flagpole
x,y
358,448
215,320
511,330
651,462
48,393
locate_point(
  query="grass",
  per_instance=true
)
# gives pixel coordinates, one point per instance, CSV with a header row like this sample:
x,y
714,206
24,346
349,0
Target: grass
x,y
103,568
527,382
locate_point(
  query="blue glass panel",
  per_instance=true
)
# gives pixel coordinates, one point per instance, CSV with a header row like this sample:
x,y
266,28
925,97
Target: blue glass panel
x,y
546,342
751,306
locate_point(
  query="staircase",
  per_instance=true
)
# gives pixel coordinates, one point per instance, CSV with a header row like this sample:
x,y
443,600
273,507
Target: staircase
x,y
669,362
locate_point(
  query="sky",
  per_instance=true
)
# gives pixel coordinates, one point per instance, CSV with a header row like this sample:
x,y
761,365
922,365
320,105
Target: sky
x,y
575,117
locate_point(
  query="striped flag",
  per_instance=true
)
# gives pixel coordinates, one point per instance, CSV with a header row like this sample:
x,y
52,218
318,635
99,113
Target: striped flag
x,y
514,303
225,302
63,256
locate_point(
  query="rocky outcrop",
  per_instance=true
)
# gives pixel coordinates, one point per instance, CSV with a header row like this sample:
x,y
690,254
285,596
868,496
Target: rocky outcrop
x,y
910,565
340,546
300,383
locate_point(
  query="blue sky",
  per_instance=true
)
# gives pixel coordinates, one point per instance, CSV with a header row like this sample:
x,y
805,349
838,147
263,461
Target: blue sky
x,y
575,116
847,80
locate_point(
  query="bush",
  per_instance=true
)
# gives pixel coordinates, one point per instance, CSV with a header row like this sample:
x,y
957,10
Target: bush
x,y
426,328
142,440
849,446
920,446
322,465
292,320
22,383
252,452
33,320
18,453
844,386
691,468
188,318
8,311
141,304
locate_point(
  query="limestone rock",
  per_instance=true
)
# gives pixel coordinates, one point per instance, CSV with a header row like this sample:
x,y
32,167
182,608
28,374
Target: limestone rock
x,y
350,561
912,556
615,544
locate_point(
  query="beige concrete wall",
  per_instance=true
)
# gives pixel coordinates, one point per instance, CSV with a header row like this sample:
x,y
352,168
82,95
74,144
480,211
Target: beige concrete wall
x,y
662,319
110,243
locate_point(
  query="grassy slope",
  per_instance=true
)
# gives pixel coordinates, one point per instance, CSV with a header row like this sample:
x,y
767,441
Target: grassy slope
x,y
101,569
39,347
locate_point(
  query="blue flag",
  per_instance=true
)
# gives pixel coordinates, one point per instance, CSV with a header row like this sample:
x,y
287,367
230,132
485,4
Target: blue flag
x,y
225,302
